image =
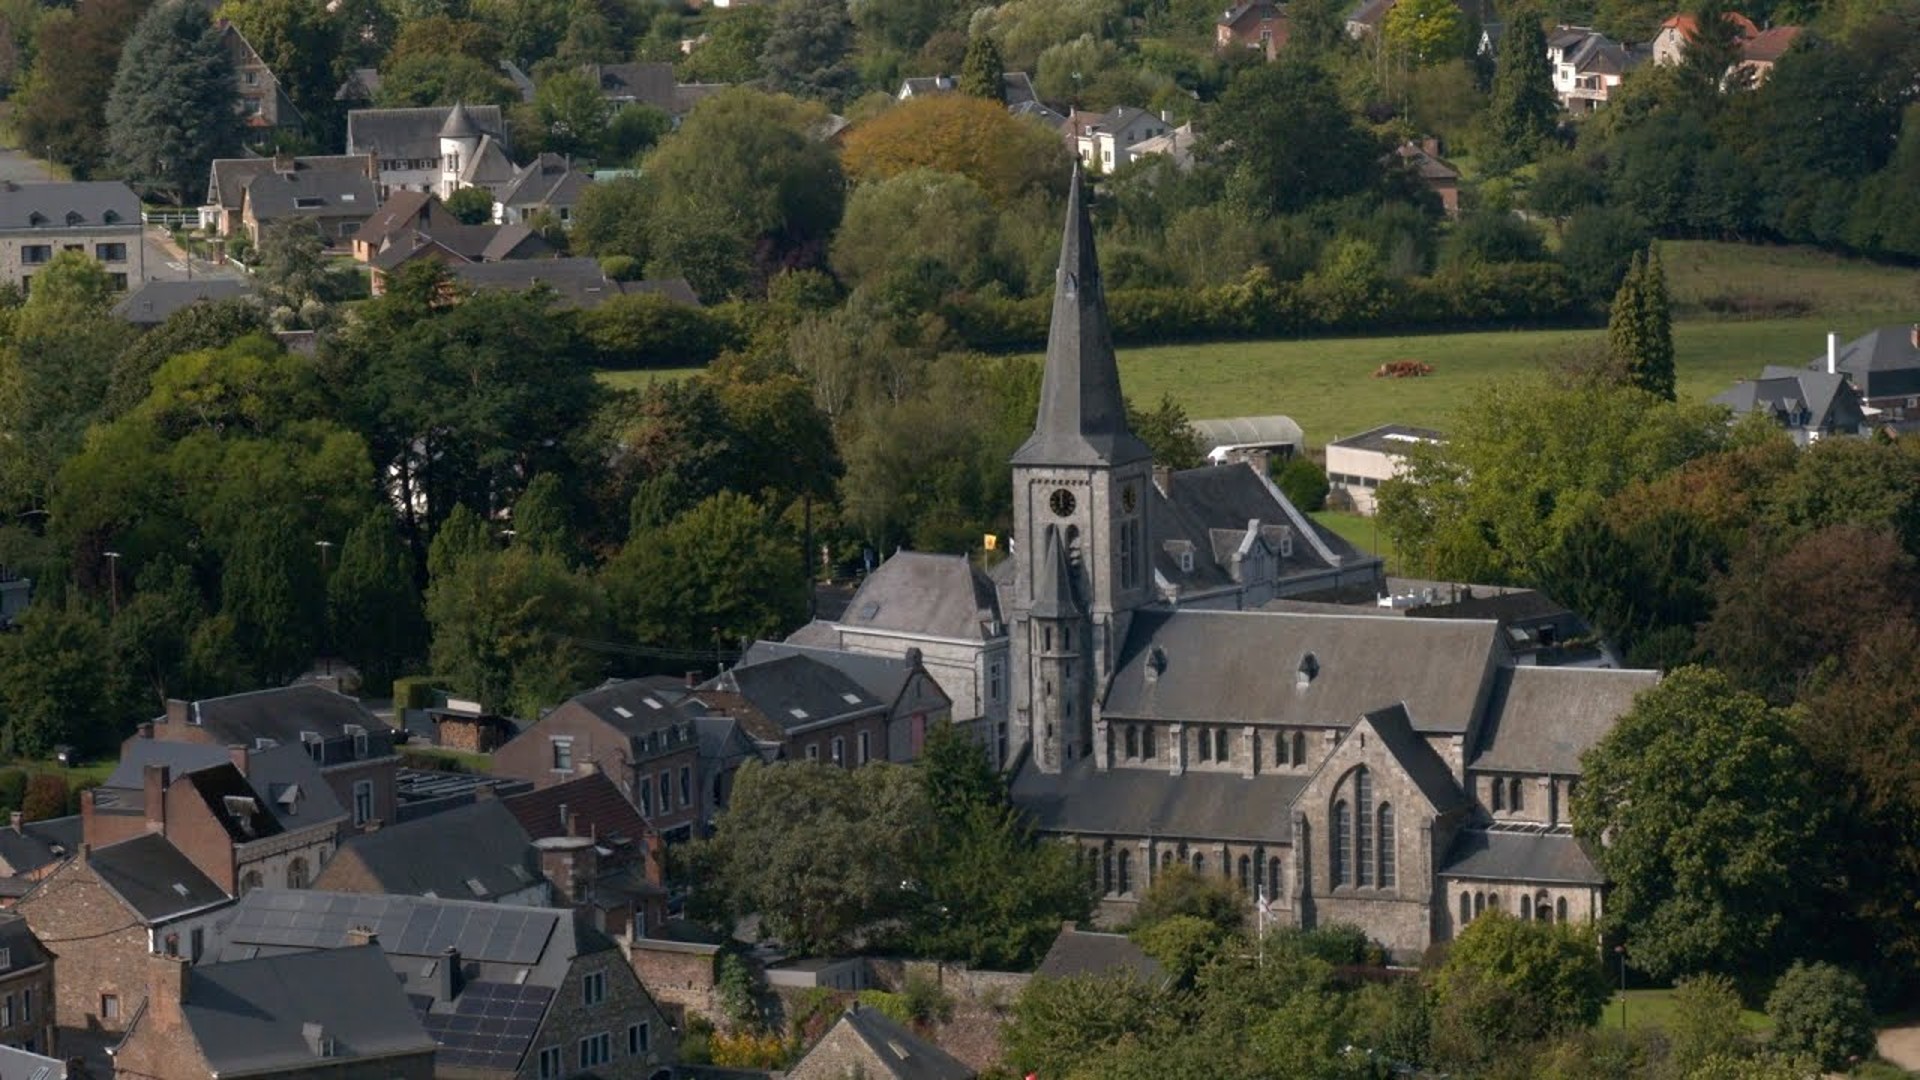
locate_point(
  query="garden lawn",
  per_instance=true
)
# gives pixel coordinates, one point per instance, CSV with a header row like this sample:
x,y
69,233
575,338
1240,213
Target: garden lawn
x,y
1361,533
1327,384
1655,1009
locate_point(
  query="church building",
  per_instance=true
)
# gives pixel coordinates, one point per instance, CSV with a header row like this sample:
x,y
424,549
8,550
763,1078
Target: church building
x,y
1403,775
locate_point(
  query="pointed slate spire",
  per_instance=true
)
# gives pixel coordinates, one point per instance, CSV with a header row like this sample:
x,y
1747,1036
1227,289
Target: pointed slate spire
x,y
459,124
1053,594
1083,419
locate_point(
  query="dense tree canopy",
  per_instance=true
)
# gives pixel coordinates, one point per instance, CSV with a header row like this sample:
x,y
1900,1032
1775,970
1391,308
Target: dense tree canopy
x,y
173,106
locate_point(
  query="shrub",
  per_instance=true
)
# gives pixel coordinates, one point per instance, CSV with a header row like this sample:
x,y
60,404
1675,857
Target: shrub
x,y
1304,482
1508,981
46,797
1178,890
622,268
1821,1010
417,691
893,1006
927,1001
747,1050
13,789
1706,1020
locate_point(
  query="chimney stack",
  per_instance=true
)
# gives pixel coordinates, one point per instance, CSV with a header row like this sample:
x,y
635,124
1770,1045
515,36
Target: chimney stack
x,y
1163,479
157,778
362,935
178,711
1833,353
240,756
693,680
448,975
166,991
570,865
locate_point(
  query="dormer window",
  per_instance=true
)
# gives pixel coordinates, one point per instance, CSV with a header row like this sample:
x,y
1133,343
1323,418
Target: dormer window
x,y
36,218
111,217
74,218
1309,668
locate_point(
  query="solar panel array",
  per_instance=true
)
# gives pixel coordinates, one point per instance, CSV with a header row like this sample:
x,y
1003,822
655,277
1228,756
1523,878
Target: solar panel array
x,y
411,926
490,1029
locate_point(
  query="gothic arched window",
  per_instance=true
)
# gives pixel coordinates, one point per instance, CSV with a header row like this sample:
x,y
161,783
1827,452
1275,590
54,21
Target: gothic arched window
x,y
1299,748
1493,901
1106,869
1499,795
250,882
1220,744
1246,872
1125,869
1146,741
1513,794
1560,909
297,874
1279,748
1273,878
1479,903
1387,843
1466,909
1363,825
1133,742
1199,863
1342,838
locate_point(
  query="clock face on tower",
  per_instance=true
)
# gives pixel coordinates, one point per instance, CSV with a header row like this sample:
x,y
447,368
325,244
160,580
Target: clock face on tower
x,y
1128,498
1062,502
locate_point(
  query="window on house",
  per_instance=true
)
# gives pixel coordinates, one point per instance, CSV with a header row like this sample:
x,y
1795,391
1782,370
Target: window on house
x,y
1280,748
646,796
1513,794
666,793
866,747
297,874
1386,846
551,1063
839,750
639,1038
1299,748
1246,872
1206,745
1146,742
109,1006
1466,909
360,745
110,253
36,254
1493,901
26,996
1479,904
995,688
119,282
593,988
1560,909
596,1050
1220,744
1106,869
6,1011
813,751
562,755
1499,795
1342,838
1133,742
1199,863
686,785
1273,878
1125,869
250,881
362,801
1363,827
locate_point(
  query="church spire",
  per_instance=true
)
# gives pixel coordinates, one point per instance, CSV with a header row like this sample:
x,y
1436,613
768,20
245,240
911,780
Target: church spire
x,y
1082,420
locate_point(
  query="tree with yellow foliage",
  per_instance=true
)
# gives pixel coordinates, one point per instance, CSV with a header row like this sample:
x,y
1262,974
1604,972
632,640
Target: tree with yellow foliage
x,y
1006,155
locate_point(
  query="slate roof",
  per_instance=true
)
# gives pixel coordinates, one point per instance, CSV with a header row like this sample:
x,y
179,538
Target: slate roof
x,y
1884,362
412,133
788,694
884,677
1152,802
22,946
474,852
255,1015
18,1064
1541,719
1039,111
282,780
228,176
678,290
25,850
1797,398
938,595
548,180
1016,89
310,193
1078,952
488,165
1532,855
87,204
153,878
631,707
899,1053
1235,667
1417,758
282,714
593,801
576,282
645,83
1082,418
402,210
153,302
1199,505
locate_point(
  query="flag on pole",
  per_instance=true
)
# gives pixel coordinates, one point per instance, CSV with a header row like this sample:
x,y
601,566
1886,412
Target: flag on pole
x,y
992,542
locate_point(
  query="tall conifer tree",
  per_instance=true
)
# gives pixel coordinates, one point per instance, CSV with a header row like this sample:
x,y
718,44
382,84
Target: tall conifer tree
x,y
172,109
1640,327
1522,111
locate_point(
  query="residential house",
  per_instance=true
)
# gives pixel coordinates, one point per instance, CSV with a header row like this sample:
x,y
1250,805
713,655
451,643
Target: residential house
x,y
332,204
1111,140
1038,111
1756,52
1016,88
505,992
1358,464
440,148
100,218
1367,17
947,610
641,740
474,852
1422,158
1811,405
1253,24
31,851
26,989
228,178
107,910
353,749
1588,66
1176,145
913,699
602,857
1884,366
1679,31
403,211
799,708
337,1014
1540,631
1759,53
262,101
549,184
154,302
1077,953
1341,768
865,1042
245,817
649,83
576,282
724,747
453,243
1237,437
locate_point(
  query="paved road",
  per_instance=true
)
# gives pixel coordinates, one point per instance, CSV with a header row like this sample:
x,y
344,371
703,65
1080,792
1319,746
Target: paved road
x,y
21,167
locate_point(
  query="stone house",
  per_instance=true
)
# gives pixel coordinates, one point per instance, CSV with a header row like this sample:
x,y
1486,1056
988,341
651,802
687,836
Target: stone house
x,y
352,748
105,912
26,988
798,708
913,699
440,148
337,1014
619,885
474,852
1253,24
631,732
506,992
100,218
263,103
865,1042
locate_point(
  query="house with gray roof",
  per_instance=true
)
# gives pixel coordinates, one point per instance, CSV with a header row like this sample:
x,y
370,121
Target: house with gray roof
x,y
439,148
913,698
1810,405
26,990
503,991
473,852
98,217
865,1042
29,851
548,184
1113,139
576,282
227,178
1078,953
332,203
154,302
1325,763
1883,365
801,708
332,1013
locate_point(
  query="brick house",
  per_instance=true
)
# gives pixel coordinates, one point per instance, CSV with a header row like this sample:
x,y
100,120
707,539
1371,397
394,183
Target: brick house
x,y
26,988
864,1042
631,732
336,1014
475,852
506,992
914,700
104,912
616,879
800,709
353,749
257,817
1255,24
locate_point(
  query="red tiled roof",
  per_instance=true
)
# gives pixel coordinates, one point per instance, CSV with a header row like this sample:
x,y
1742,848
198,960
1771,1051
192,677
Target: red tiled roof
x,y
1769,45
1689,26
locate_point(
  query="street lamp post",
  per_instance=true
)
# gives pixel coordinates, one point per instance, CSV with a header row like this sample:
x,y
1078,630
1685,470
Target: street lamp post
x,y
1621,951
113,580
326,550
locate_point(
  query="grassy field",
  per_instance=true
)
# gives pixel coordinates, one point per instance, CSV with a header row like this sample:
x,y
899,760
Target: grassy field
x,y
1360,532
1655,1008
1709,278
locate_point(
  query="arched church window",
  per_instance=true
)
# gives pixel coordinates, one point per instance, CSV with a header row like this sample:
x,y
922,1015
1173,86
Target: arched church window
x,y
1363,825
1479,903
1246,872
1493,901
1106,869
1526,910
1273,878
1299,748
1199,863
1387,843
1206,745
1543,907
1342,837
1220,744
1513,794
250,882
1466,909
1499,795
1146,741
1166,858
1125,870
1279,748
1133,742
1560,909
297,874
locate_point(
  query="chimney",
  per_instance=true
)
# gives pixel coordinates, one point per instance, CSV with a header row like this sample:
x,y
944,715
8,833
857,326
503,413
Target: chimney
x,y
318,1042
913,656
362,935
1833,353
570,865
447,975
282,162
693,679
157,778
178,711
166,991
86,820
145,729
239,755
